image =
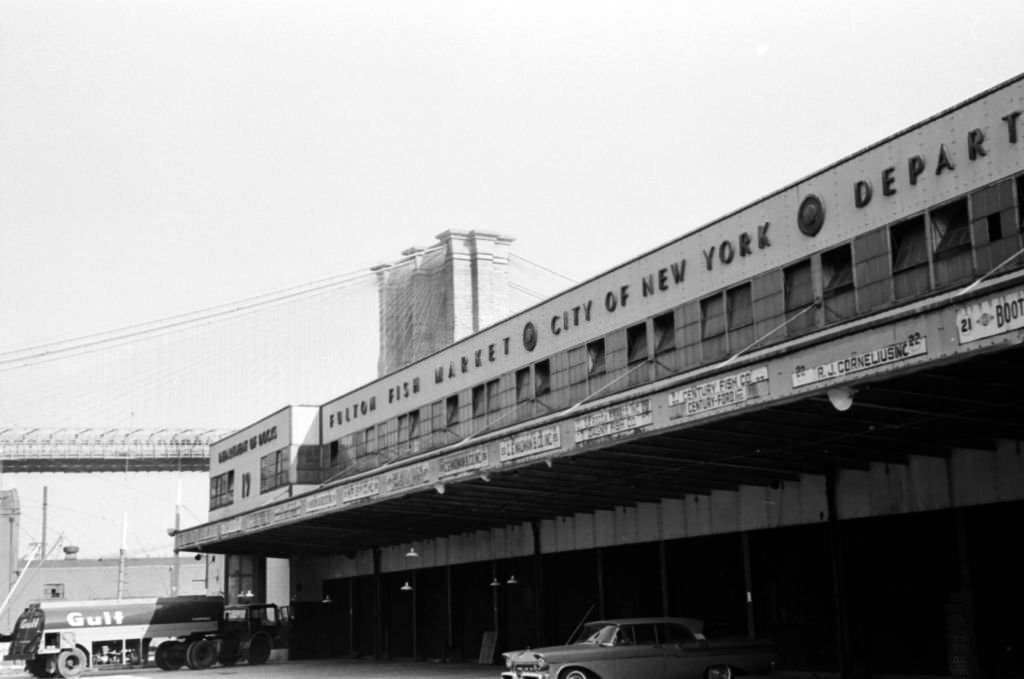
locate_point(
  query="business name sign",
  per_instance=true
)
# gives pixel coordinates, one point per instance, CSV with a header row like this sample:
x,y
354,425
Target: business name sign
x,y
530,443
359,490
615,422
698,399
914,345
465,461
991,316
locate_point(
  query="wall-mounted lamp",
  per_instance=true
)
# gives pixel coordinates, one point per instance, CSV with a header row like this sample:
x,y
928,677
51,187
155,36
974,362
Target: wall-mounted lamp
x,y
412,553
406,587
841,398
327,599
512,580
495,583
246,594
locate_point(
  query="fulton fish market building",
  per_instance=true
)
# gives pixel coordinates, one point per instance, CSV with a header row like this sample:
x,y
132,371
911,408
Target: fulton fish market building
x,y
802,421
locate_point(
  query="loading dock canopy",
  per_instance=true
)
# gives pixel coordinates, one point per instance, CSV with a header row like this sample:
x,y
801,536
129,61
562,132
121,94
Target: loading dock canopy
x,y
923,410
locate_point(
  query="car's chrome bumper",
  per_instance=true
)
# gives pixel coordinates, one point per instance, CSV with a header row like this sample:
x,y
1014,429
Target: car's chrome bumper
x,y
525,674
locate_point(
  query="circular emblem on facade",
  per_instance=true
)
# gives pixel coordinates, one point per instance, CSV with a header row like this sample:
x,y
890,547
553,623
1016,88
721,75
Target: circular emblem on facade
x,y
811,215
529,336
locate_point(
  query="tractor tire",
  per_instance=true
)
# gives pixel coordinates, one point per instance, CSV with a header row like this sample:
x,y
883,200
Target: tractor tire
x,y
170,655
259,649
201,654
71,663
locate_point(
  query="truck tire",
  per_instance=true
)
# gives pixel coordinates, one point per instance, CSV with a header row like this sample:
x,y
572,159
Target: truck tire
x,y
228,655
201,654
71,663
170,655
259,649
43,668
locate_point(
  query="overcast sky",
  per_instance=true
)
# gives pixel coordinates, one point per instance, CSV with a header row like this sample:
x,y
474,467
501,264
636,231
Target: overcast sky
x,y
161,156
158,157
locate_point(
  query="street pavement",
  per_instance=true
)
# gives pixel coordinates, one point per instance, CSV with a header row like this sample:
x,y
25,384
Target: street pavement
x,y
304,669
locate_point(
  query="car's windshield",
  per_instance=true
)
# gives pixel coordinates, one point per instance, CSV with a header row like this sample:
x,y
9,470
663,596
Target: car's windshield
x,y
596,633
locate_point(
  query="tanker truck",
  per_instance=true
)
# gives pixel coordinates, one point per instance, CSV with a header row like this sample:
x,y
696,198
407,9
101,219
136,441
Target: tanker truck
x,y
63,638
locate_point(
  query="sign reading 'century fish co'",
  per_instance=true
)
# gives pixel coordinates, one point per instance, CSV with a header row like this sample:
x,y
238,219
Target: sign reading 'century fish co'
x,y
704,397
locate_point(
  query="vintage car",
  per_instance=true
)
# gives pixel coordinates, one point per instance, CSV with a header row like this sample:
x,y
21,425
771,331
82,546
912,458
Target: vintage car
x,y
643,648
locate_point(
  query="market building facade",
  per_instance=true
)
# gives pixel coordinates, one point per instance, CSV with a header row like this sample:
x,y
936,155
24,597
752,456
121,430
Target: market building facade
x,y
802,421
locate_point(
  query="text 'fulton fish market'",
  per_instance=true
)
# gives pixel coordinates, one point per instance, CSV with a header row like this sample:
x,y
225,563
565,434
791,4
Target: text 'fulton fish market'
x,y
813,433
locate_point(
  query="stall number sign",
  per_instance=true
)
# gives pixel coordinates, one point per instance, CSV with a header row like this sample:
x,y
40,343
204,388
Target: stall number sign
x,y
991,316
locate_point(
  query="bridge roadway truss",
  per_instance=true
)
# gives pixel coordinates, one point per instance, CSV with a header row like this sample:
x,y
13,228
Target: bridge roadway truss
x,y
104,450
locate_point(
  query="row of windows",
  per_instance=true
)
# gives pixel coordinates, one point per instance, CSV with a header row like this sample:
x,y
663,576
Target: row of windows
x,y
939,248
273,475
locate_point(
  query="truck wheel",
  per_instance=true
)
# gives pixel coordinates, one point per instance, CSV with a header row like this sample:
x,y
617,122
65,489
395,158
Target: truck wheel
x,y
259,649
201,654
37,667
170,655
70,663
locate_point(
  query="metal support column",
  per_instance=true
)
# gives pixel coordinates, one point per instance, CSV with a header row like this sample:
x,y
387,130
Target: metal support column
x,y
844,641
748,583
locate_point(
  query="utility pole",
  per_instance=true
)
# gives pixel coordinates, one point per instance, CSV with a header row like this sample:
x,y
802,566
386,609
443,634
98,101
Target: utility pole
x,y
42,548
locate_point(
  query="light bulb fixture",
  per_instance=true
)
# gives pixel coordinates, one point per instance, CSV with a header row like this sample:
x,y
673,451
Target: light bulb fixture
x,y
412,553
512,580
327,599
246,594
841,398
495,583
406,587
439,487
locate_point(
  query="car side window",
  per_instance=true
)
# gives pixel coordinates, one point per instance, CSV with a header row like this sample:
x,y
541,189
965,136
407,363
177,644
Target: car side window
x,y
643,635
671,634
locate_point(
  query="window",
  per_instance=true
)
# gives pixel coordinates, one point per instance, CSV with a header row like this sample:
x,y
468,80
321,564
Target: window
x,y
53,590
478,401
712,317
274,470
670,634
739,308
451,408
595,358
909,257
222,490
1020,202
712,327
414,425
950,228
798,291
523,385
837,284
664,333
335,452
493,401
635,635
366,442
636,343
542,378
438,416
403,428
951,235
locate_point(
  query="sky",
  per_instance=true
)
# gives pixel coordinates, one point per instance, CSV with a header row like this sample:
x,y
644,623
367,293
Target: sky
x,y
163,156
